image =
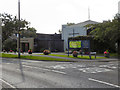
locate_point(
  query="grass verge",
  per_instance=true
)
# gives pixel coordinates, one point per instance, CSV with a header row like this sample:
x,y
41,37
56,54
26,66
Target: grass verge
x,y
79,56
33,57
111,54
9,55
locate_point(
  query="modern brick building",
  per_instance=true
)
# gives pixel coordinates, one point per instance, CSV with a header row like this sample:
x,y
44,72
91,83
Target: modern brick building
x,y
53,42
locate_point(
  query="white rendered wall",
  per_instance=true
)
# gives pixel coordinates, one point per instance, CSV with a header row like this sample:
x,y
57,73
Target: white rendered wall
x,y
69,30
78,28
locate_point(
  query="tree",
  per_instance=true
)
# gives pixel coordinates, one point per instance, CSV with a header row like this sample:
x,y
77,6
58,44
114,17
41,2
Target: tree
x,y
30,32
107,32
69,24
60,31
10,44
10,26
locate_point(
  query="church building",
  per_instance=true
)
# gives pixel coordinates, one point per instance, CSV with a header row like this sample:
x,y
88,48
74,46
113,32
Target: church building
x,y
53,42
75,30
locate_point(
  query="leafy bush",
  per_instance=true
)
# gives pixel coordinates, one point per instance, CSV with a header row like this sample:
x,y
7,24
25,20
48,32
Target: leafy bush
x,y
11,51
42,49
46,52
75,53
30,51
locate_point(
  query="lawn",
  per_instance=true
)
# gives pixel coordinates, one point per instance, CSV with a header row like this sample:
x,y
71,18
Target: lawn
x,y
9,55
43,58
49,58
79,56
114,54
111,54
33,57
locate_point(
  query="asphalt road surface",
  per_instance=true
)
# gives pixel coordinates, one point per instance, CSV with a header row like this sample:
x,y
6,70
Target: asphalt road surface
x,y
45,74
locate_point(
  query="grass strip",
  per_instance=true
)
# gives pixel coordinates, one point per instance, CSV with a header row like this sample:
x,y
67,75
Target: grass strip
x,y
33,57
79,56
49,58
111,54
43,58
9,55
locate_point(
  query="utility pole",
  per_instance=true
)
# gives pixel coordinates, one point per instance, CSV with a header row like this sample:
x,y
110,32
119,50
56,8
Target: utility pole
x,y
18,28
88,13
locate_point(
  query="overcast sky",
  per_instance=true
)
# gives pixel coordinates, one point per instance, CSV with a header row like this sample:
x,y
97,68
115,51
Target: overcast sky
x,y
48,16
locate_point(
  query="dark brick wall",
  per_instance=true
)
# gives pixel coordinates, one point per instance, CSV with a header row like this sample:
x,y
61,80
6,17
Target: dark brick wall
x,y
48,41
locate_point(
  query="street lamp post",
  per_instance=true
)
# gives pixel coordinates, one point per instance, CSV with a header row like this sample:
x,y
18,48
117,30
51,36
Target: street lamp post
x,y
18,28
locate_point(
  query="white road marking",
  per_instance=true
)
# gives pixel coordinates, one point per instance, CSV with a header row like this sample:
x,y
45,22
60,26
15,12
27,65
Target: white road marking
x,y
45,69
109,66
59,72
91,79
36,67
7,63
94,70
7,83
30,61
18,69
66,66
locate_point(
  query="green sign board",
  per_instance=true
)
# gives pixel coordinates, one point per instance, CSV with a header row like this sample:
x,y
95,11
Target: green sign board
x,y
74,44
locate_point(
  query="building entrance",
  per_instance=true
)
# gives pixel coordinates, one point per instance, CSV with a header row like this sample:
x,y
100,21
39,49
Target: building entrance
x,y
26,44
25,47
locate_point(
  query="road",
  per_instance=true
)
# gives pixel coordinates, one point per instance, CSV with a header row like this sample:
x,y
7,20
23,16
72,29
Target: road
x,y
21,73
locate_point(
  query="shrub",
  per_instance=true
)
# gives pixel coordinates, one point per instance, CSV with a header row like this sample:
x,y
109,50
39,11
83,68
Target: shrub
x,y
11,50
56,50
30,51
75,53
4,51
46,52
42,49
106,54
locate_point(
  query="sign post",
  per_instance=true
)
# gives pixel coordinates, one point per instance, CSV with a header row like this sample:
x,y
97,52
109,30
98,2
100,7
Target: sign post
x,y
74,44
79,44
68,48
19,29
86,44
